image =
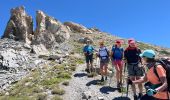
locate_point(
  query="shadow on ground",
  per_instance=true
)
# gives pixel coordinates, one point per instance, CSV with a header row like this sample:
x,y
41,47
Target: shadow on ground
x,y
107,89
93,82
121,98
80,74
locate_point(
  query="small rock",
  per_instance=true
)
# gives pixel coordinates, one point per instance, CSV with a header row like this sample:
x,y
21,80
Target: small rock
x,y
27,46
100,98
86,95
7,93
27,84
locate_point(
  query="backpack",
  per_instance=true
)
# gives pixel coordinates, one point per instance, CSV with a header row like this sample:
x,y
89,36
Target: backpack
x,y
166,65
115,49
106,52
88,52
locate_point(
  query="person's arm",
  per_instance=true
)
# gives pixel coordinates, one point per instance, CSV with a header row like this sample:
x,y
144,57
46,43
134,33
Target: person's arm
x,y
125,56
140,59
122,53
141,80
162,74
111,53
84,51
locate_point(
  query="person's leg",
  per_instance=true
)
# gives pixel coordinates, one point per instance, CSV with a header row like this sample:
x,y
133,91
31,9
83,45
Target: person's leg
x,y
120,66
117,71
132,77
133,85
91,63
139,74
140,86
105,70
87,63
101,71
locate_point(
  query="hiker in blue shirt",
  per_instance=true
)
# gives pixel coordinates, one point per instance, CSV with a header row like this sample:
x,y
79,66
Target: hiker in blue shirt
x,y
88,52
117,56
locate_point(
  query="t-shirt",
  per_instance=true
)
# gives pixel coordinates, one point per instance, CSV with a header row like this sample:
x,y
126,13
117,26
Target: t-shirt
x,y
132,55
117,53
88,49
151,76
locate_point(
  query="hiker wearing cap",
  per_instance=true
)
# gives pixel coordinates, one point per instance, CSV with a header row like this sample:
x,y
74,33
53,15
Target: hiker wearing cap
x,y
155,89
103,54
117,56
88,52
133,60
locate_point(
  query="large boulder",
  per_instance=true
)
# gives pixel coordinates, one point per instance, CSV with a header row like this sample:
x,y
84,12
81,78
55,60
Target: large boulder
x,y
40,50
19,26
78,28
49,30
84,40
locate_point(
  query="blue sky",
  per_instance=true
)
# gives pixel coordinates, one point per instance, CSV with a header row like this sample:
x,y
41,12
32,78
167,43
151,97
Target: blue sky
x,y
144,20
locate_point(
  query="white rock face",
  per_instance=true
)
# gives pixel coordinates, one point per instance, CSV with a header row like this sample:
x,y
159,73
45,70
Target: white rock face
x,y
49,30
78,28
19,26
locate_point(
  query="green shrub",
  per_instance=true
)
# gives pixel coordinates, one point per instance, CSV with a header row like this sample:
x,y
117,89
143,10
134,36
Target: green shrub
x,y
64,75
56,97
58,91
66,83
41,96
51,81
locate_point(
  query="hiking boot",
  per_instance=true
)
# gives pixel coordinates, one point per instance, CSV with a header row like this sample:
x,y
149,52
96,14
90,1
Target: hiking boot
x,y
119,89
106,78
102,79
87,70
118,85
135,97
140,95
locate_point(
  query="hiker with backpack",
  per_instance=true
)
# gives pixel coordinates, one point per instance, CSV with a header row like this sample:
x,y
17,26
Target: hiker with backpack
x,y
156,78
103,54
117,62
133,61
88,53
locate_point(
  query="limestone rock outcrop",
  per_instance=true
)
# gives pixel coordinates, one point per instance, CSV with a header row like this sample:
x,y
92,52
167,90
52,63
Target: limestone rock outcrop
x,y
19,26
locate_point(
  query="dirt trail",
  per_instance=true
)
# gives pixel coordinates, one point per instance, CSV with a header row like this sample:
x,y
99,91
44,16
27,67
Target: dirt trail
x,y
80,84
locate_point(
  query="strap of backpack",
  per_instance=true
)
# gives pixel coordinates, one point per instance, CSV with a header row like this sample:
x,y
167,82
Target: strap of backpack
x,y
107,51
155,71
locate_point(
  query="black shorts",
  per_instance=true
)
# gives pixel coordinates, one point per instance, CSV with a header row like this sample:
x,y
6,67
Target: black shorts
x,y
89,58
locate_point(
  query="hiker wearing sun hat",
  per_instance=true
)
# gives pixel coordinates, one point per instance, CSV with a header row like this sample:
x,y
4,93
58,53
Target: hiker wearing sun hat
x,y
133,60
116,57
88,52
103,54
156,77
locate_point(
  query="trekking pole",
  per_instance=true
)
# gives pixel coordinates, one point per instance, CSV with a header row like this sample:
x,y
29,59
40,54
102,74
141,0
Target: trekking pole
x,y
123,76
127,90
111,76
97,65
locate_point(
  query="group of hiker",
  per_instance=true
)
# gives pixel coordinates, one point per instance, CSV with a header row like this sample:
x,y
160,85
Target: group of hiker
x,y
156,85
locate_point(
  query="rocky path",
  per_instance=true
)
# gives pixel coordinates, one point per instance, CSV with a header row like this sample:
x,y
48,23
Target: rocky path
x,y
82,87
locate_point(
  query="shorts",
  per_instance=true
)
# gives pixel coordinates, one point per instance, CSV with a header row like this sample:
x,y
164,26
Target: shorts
x,y
104,62
89,58
118,63
135,70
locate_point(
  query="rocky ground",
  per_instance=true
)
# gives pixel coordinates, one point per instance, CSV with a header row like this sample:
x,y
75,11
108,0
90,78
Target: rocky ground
x,y
82,87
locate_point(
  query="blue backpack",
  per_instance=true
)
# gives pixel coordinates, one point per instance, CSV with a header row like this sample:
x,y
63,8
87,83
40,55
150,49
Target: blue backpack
x,y
117,52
